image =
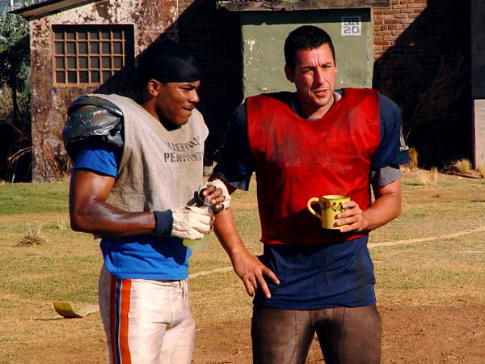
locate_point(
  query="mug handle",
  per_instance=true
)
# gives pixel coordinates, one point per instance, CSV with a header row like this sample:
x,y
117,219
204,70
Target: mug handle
x,y
309,206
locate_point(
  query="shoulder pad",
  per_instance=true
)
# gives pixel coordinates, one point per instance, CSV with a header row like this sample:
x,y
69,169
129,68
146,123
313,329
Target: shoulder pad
x,y
89,116
94,101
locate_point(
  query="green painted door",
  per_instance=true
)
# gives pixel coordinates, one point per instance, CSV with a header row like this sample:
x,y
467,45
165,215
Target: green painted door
x,y
264,34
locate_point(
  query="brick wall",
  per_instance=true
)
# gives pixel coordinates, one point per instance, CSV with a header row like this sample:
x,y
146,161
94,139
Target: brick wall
x,y
422,62
389,23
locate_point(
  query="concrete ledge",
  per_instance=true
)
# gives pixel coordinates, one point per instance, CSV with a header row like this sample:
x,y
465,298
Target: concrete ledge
x,y
295,5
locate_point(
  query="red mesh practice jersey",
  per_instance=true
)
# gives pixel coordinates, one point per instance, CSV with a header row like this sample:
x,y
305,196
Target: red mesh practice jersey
x,y
296,159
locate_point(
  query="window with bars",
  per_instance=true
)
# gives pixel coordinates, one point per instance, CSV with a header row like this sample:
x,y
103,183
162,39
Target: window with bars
x,y
90,55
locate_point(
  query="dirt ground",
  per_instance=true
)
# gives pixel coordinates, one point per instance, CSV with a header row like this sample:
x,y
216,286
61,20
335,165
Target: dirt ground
x,y
410,335
423,334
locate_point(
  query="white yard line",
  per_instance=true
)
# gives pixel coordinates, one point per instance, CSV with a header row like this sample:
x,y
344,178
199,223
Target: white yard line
x,y
371,245
429,238
207,272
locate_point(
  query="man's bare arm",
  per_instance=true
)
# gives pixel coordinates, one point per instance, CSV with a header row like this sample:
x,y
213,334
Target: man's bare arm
x,y
246,265
90,213
386,207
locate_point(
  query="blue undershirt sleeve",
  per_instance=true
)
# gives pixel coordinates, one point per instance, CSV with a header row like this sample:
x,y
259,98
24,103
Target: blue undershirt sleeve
x,y
234,164
98,156
392,151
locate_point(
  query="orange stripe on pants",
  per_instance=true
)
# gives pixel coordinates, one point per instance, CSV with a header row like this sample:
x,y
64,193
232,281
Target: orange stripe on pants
x,y
120,294
123,317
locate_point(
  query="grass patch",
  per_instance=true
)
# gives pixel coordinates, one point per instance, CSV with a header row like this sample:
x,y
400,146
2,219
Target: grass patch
x,y
30,198
32,237
47,272
437,272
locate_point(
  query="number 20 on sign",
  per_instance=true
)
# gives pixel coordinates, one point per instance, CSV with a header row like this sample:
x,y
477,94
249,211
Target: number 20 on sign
x,y
351,26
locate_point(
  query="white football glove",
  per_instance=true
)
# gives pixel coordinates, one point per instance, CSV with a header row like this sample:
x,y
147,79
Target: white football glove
x,y
217,183
190,222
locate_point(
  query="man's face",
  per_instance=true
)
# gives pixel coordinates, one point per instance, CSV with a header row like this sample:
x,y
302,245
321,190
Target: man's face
x,y
314,76
175,101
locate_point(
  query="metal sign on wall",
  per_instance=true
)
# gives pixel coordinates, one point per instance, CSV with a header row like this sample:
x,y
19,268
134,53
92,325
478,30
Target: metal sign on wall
x,y
351,26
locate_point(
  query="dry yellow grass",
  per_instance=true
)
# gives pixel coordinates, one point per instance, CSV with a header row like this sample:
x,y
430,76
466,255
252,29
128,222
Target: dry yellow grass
x,y
427,177
463,166
413,159
481,170
32,237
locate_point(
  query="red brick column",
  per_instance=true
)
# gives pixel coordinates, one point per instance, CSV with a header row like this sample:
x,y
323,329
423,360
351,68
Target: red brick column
x,y
389,23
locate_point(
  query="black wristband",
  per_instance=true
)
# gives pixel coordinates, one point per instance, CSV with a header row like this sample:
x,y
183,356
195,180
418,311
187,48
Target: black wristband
x,y
163,222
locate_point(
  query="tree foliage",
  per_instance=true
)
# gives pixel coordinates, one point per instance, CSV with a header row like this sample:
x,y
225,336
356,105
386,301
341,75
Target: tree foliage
x,y
15,119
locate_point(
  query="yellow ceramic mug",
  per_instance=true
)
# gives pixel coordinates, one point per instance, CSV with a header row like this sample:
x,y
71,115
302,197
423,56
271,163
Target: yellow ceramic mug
x,y
330,205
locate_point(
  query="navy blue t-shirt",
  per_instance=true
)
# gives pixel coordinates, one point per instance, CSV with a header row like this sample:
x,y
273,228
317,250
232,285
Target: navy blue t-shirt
x,y
317,276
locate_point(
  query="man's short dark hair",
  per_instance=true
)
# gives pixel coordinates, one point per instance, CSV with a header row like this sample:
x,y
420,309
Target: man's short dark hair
x,y
305,37
166,61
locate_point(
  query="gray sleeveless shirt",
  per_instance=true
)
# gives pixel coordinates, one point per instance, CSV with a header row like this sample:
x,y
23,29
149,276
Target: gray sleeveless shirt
x,y
159,169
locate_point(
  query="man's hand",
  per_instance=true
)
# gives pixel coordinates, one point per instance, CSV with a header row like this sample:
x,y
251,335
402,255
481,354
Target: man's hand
x,y
353,216
387,206
246,265
252,272
216,193
190,222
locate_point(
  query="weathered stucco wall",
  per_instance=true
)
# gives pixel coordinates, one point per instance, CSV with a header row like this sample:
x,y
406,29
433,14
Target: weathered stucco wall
x,y
264,34
150,19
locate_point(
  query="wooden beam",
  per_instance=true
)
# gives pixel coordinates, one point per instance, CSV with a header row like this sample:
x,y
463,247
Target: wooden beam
x,y
47,7
295,5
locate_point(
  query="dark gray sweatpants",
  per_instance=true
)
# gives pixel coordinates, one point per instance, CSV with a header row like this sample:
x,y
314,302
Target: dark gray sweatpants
x,y
347,335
